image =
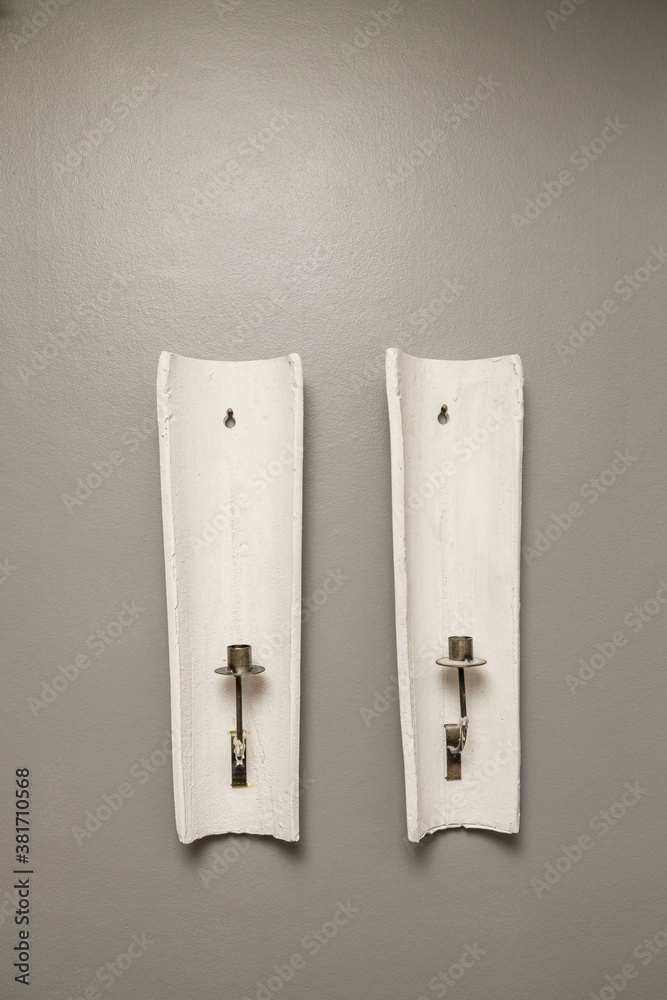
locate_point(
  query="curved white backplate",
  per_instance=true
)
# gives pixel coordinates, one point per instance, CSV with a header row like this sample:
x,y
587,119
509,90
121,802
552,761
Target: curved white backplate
x,y
231,501
456,493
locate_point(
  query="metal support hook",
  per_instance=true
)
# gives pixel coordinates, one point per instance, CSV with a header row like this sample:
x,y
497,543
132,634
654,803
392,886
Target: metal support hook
x,y
239,665
456,734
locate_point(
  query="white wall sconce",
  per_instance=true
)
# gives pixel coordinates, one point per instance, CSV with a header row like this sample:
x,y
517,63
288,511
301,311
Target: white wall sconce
x,y
456,450
231,456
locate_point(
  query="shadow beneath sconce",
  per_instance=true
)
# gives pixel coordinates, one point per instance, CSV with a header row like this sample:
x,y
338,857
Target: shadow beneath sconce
x,y
421,853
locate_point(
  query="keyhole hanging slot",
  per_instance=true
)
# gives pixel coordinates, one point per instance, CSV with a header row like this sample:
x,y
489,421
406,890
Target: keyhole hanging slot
x,y
229,419
443,416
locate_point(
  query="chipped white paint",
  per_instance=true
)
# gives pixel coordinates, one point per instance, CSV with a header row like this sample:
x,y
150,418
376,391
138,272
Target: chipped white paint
x,y
456,493
231,502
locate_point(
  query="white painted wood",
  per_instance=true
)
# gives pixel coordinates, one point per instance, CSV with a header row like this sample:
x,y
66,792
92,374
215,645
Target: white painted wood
x,y
456,494
231,501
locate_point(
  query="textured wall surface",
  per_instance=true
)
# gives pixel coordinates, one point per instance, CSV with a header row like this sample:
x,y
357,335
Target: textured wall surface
x,y
240,180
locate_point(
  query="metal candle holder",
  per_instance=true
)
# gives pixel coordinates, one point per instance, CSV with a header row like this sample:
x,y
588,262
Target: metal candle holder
x,y
461,657
239,665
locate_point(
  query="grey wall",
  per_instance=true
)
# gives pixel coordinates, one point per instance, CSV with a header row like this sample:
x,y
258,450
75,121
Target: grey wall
x,y
335,235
